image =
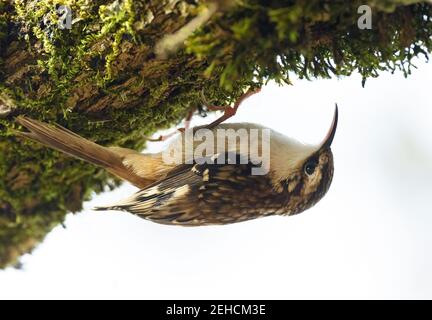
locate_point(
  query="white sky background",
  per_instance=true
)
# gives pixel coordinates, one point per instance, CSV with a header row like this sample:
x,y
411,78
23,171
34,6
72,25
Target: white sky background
x,y
370,237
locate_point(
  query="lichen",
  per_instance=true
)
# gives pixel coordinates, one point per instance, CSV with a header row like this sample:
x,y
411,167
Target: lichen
x,y
102,80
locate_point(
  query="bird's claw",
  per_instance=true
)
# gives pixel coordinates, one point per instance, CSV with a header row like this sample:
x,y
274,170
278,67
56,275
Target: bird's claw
x,y
228,110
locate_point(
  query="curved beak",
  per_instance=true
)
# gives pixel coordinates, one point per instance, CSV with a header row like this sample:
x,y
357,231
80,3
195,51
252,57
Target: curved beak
x,y
331,133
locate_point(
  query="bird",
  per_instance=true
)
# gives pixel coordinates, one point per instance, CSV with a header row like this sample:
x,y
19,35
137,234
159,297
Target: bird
x,y
207,190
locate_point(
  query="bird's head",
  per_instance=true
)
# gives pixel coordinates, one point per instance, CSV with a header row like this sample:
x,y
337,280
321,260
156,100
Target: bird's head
x,y
311,172
317,169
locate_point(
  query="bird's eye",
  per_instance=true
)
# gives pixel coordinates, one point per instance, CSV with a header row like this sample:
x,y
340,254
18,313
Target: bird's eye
x,y
309,168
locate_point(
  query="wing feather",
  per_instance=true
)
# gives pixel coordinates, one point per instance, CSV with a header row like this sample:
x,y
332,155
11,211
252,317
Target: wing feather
x,y
202,193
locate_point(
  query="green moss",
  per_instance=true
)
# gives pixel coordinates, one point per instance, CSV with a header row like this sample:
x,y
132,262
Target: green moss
x,y
4,17
317,39
101,79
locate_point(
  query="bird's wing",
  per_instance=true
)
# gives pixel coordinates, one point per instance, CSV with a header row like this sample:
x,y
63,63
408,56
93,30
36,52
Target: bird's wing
x,y
206,192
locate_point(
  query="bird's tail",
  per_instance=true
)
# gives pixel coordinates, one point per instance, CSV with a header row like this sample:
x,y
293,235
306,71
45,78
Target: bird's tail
x,y
61,139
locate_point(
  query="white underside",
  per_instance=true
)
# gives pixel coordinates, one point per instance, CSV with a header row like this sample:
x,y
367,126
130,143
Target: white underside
x,y
283,155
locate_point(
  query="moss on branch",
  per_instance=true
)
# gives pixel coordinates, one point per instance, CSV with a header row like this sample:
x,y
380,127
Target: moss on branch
x,y
103,80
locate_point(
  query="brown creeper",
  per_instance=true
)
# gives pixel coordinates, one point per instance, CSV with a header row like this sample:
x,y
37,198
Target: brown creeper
x,y
208,190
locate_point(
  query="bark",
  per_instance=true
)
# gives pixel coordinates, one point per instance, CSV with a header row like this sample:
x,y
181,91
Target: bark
x,y
103,79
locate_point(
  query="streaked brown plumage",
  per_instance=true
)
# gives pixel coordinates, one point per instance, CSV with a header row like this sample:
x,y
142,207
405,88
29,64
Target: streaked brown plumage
x,y
210,193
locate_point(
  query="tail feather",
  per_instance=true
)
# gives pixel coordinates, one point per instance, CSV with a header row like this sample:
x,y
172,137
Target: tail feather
x,y
66,141
139,169
109,208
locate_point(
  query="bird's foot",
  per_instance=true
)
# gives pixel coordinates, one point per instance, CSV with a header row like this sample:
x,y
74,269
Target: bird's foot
x,y
228,113
228,110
